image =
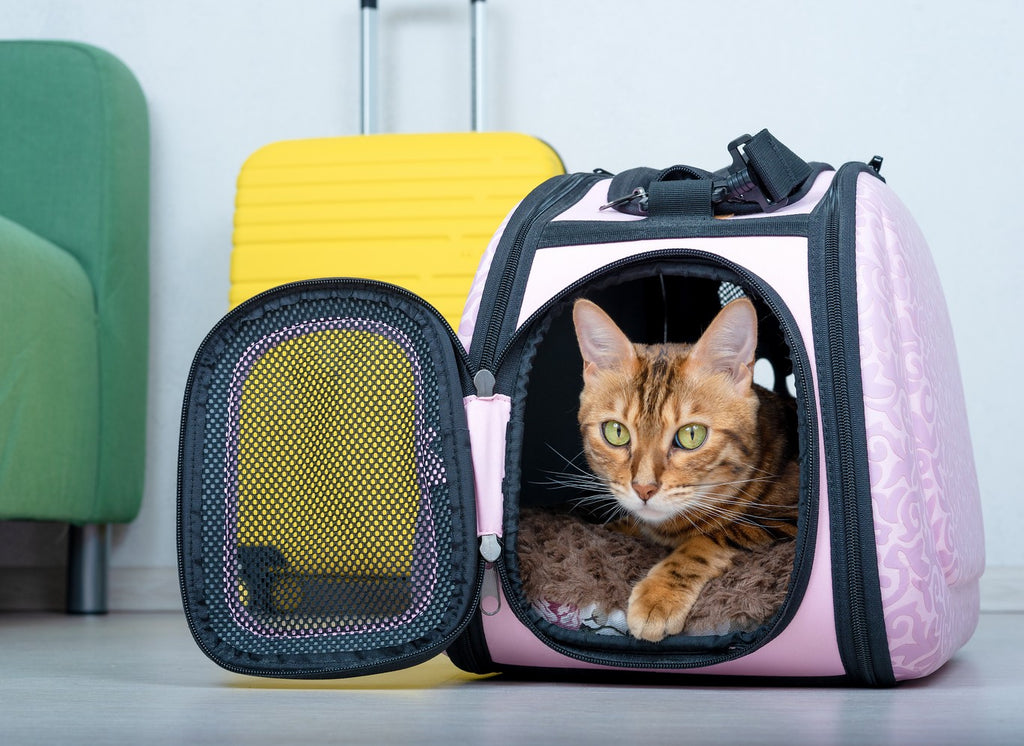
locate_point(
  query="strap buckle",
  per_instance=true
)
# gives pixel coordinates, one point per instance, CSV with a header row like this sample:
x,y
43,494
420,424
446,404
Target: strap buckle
x,y
741,182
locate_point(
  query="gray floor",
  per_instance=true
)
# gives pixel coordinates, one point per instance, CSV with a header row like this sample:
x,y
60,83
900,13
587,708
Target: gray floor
x,y
139,679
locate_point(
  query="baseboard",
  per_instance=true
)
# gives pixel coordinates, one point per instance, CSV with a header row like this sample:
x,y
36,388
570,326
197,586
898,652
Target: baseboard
x,y
1002,589
145,589
129,589
156,589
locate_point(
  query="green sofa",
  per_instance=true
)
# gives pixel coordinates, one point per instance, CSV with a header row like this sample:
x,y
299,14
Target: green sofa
x,y
74,297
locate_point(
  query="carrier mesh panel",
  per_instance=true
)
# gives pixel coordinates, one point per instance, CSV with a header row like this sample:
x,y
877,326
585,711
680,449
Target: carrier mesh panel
x,y
728,292
326,516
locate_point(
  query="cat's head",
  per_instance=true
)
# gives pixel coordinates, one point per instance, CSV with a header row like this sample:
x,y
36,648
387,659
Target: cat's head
x,y
665,426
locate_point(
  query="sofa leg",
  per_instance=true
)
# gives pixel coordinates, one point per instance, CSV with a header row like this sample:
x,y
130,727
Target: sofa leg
x,y
87,568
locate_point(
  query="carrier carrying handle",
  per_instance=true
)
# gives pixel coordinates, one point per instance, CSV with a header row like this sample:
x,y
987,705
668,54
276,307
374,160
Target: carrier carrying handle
x,y
764,176
368,71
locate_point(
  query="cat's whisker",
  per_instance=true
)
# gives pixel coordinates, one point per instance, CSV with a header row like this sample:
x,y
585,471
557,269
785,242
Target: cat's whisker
x,y
594,495
570,462
561,481
720,509
722,520
608,512
746,502
696,526
751,467
565,480
598,498
578,478
762,480
615,513
592,500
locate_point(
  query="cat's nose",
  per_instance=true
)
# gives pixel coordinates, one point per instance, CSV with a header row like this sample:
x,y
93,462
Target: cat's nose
x,y
645,491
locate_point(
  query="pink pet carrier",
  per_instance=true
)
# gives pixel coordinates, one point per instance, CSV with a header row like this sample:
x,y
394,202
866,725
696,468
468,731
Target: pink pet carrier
x,y
353,472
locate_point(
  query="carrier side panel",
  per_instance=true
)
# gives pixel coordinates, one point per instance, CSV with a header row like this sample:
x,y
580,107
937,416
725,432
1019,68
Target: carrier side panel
x,y
326,522
926,505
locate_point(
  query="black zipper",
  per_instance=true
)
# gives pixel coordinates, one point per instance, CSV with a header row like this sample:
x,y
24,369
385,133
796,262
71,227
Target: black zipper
x,y
858,614
503,293
386,664
805,546
844,439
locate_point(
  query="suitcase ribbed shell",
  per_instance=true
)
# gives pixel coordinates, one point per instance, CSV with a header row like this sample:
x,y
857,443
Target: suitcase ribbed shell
x,y
413,210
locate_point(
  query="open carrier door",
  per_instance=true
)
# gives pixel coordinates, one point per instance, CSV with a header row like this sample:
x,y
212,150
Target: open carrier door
x,y
326,509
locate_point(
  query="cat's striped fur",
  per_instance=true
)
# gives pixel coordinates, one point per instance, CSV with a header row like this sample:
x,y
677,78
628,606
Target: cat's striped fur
x,y
699,458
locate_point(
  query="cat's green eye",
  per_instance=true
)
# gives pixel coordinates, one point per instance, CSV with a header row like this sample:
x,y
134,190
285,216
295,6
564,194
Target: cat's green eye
x,y
690,437
615,433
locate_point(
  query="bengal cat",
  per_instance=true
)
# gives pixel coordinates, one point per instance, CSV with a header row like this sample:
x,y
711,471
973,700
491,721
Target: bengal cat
x,y
698,457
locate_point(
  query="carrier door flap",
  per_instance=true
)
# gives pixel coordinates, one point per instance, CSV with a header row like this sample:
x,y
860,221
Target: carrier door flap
x,y
326,518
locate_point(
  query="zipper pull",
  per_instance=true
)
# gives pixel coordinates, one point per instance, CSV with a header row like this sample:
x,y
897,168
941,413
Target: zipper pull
x,y
484,383
490,597
490,549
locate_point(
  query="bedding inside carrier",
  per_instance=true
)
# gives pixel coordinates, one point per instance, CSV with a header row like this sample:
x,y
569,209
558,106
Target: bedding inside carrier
x,y
569,560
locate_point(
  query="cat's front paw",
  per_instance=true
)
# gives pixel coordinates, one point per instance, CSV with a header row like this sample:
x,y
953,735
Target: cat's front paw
x,y
657,610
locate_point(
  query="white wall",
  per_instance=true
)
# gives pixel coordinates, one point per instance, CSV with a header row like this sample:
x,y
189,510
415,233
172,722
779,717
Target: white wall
x,y
933,86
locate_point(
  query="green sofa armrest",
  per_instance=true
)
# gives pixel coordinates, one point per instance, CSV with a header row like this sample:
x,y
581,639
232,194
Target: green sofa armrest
x,y
74,154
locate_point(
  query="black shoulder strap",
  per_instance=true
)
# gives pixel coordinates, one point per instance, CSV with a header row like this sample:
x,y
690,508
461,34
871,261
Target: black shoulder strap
x,y
764,176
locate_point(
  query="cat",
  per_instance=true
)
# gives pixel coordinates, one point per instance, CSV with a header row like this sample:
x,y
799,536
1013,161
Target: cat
x,y
698,457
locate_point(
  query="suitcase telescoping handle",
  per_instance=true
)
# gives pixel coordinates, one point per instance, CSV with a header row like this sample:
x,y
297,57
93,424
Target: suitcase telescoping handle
x,y
368,77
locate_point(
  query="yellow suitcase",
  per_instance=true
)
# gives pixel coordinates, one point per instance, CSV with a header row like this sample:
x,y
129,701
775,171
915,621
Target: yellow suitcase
x,y
414,210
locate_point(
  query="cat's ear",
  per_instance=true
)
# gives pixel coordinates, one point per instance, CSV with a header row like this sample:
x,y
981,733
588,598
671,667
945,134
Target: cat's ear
x,y
602,344
729,344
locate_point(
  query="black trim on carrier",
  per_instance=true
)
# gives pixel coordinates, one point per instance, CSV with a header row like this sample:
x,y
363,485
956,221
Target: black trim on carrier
x,y
516,358
573,232
860,623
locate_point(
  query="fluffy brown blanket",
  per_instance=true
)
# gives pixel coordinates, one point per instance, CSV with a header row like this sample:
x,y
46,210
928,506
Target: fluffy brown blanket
x,y
568,563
